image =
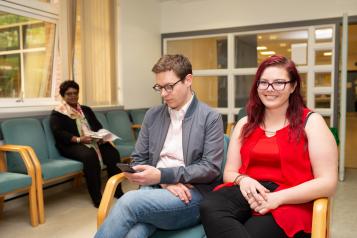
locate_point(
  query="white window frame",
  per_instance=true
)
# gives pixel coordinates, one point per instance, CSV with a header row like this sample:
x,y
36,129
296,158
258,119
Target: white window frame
x,y
45,12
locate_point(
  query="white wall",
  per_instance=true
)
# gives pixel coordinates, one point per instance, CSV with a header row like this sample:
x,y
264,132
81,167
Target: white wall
x,y
190,15
139,49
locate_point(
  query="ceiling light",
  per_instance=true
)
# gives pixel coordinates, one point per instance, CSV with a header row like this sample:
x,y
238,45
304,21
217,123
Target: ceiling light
x,y
260,37
261,48
273,37
267,52
282,44
328,53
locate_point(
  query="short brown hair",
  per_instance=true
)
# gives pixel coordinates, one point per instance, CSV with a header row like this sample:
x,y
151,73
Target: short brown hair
x,y
177,63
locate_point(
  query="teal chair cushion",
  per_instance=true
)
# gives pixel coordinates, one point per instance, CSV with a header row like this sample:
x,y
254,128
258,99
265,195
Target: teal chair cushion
x,y
24,131
51,144
125,149
102,119
13,181
59,167
192,232
120,124
137,115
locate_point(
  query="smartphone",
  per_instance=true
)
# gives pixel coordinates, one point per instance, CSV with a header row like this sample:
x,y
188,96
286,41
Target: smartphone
x,y
126,168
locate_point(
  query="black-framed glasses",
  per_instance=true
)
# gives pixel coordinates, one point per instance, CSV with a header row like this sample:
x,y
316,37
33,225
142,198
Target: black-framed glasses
x,y
277,86
168,87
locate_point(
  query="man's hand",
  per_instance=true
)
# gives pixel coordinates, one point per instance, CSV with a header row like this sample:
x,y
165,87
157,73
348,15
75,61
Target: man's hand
x,y
146,175
180,190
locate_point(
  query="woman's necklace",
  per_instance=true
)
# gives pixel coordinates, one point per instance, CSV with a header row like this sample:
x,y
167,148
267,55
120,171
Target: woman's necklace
x,y
272,133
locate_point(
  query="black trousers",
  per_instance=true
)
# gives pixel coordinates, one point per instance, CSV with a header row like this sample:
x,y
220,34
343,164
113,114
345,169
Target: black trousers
x,y
91,165
226,214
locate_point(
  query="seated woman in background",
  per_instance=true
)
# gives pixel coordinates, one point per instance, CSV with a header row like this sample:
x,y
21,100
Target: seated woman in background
x,y
281,157
72,124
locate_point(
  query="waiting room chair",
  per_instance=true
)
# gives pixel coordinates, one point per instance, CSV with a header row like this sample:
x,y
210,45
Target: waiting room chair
x,y
13,183
49,166
120,124
320,212
107,199
137,116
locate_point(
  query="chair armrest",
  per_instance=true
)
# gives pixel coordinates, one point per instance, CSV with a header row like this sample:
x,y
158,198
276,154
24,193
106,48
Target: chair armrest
x,y
108,196
319,218
230,127
24,155
136,126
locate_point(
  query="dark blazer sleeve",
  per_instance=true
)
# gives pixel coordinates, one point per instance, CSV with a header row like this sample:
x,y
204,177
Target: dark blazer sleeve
x,y
63,128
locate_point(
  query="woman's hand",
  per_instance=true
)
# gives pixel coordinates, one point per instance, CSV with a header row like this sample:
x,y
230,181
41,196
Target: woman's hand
x,y
273,201
86,139
251,187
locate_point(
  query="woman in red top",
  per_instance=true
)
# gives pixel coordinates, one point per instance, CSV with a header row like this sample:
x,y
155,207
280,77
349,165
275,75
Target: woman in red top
x,y
280,158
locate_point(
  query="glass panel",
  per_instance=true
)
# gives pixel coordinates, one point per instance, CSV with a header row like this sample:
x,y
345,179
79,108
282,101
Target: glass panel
x,y
323,57
282,43
211,90
242,86
322,101
303,89
36,35
327,120
37,75
10,82
9,39
246,51
204,53
323,35
323,79
251,50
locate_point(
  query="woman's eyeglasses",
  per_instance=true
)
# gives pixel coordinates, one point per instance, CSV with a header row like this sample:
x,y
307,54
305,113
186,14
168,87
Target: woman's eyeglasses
x,y
277,86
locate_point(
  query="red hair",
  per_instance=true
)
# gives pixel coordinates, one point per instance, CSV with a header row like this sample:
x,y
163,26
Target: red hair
x,y
255,108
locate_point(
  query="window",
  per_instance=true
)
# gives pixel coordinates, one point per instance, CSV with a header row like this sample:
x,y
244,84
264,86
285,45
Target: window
x,y
224,65
26,57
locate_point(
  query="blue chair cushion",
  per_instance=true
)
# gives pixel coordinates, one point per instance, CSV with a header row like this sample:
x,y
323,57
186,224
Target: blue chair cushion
x,y
192,232
51,144
125,149
59,167
24,131
120,125
13,181
102,119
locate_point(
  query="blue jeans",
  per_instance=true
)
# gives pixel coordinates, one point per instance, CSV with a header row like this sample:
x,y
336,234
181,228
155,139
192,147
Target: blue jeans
x,y
138,213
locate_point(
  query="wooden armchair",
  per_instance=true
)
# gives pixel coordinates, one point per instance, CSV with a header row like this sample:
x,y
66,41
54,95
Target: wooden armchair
x,y
15,182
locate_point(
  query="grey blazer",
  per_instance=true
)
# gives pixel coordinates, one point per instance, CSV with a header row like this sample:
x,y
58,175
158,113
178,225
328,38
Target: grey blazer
x,y
202,144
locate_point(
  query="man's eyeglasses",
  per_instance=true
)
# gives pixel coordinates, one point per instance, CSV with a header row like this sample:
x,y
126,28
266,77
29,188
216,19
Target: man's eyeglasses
x,y
168,87
277,86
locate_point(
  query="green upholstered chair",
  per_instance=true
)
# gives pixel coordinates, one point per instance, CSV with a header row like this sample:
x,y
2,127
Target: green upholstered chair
x,y
13,183
192,232
137,116
120,124
50,166
102,119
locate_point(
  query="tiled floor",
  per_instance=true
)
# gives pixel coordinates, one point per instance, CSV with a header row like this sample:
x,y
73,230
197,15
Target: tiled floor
x,y
69,213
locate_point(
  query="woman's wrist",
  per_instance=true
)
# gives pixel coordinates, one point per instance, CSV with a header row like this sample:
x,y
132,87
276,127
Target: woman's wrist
x,y
239,178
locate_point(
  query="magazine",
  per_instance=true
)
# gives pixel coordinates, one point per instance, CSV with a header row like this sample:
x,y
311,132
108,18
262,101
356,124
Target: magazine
x,y
105,135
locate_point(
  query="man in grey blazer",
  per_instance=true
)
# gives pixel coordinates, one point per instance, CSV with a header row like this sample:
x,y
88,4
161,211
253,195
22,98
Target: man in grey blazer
x,y
178,157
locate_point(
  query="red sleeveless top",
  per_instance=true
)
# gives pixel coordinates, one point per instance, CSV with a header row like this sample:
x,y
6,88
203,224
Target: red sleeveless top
x,y
284,162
